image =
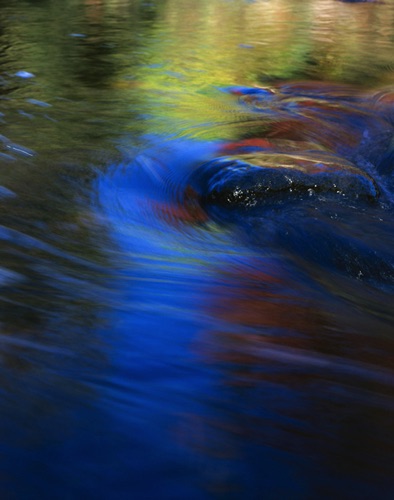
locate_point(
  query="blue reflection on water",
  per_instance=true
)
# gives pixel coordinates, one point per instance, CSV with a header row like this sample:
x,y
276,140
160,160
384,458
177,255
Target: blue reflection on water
x,y
156,343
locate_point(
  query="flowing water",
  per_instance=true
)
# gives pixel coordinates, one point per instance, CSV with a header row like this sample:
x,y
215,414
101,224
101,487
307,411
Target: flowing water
x,y
197,267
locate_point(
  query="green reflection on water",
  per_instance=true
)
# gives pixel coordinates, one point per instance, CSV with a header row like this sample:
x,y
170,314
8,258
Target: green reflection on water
x,y
106,73
132,67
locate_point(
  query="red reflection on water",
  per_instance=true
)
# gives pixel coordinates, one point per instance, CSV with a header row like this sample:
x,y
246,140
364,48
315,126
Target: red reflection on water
x,y
337,117
298,370
185,211
239,146
294,376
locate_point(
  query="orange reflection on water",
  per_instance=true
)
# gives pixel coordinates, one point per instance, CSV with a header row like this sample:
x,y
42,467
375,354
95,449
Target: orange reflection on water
x,y
258,308
290,378
256,302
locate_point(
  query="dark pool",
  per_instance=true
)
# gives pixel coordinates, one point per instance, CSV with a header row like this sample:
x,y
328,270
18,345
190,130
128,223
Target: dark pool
x,y
196,241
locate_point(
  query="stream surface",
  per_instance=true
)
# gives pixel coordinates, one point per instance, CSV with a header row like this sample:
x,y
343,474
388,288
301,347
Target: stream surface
x,y
196,249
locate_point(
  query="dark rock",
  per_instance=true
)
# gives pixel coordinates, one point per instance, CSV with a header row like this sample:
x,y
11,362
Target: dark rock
x,y
262,178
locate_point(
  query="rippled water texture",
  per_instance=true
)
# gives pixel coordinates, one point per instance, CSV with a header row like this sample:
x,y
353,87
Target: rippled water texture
x,y
196,240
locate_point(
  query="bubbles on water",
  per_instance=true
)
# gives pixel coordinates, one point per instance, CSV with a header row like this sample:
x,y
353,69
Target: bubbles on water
x,y
17,149
8,277
6,193
20,150
24,74
6,157
37,102
26,115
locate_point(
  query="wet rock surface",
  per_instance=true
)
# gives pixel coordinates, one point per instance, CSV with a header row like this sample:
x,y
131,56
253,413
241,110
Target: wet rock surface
x,y
316,139
322,161
265,178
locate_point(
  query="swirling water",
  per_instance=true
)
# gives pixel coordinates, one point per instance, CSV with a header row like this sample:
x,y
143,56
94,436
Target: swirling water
x,y
167,331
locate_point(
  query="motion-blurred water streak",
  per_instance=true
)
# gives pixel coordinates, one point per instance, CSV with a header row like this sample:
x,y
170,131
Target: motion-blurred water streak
x,y
196,242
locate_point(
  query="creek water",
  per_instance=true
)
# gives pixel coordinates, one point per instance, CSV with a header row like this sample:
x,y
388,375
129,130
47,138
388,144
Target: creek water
x,y
161,342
